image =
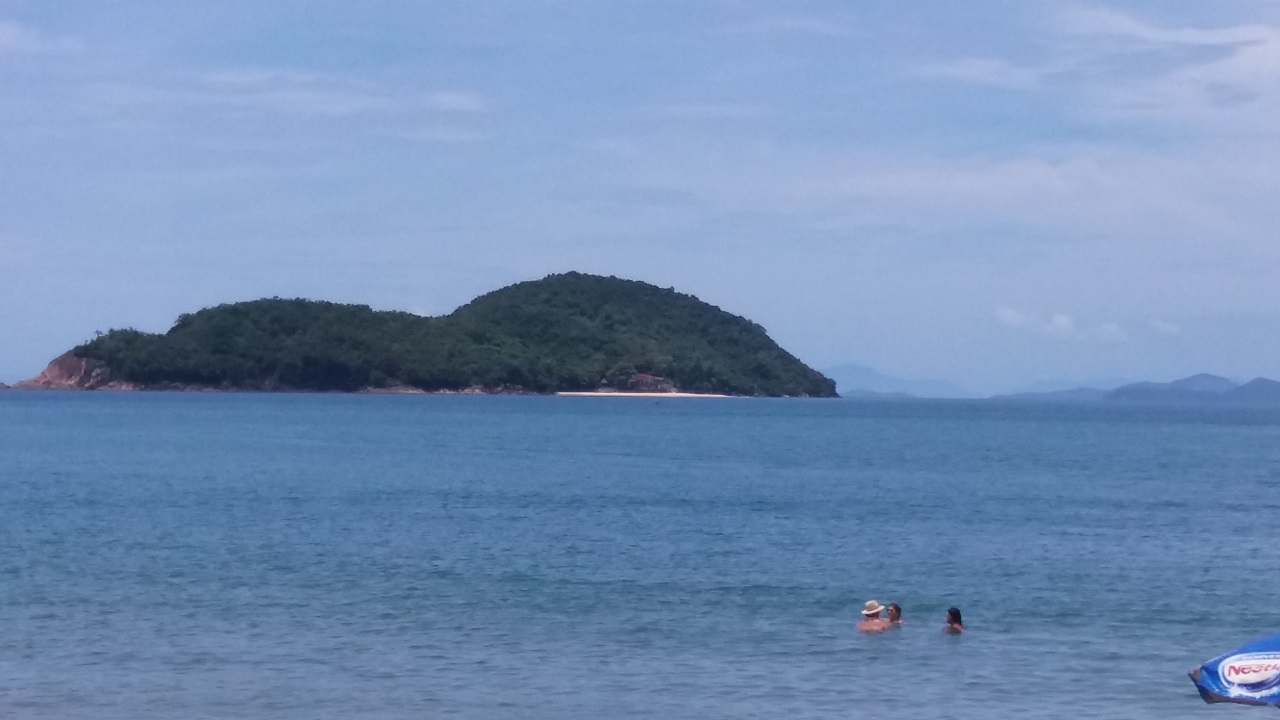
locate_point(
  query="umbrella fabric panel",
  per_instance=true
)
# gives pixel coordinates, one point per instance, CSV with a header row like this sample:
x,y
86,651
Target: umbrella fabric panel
x,y
1249,675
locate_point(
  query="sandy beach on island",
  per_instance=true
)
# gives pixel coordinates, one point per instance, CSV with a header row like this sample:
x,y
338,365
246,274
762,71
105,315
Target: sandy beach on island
x,y
642,394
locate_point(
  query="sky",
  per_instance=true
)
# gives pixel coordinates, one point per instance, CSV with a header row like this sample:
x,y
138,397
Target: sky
x,y
994,193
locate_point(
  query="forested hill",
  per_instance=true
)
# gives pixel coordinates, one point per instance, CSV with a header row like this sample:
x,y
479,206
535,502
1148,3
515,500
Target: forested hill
x,y
564,332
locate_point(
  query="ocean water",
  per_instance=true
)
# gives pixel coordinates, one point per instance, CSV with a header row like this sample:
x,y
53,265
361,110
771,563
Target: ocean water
x,y
330,556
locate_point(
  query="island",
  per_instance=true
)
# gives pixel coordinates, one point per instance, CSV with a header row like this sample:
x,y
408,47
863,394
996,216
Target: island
x,y
1196,390
1200,389
566,333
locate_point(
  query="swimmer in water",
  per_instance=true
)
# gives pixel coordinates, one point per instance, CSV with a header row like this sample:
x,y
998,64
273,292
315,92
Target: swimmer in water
x,y
955,625
871,621
893,613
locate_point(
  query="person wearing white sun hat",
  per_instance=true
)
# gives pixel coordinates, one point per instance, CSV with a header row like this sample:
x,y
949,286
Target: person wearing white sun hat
x,y
871,620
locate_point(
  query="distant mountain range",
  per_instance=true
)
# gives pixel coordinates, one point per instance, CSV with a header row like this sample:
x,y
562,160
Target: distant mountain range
x,y
860,382
1055,385
853,381
1202,389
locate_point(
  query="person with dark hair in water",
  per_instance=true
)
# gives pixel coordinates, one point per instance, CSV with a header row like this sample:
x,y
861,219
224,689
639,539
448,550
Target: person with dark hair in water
x,y
893,613
955,625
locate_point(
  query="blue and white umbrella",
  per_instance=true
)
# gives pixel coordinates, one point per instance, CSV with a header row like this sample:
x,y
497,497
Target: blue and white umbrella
x,y
1249,675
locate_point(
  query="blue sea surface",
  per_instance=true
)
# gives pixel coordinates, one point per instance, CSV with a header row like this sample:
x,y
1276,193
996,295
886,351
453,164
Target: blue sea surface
x,y
337,556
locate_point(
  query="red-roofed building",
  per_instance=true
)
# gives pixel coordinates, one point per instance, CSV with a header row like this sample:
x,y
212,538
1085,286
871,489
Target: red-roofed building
x,y
641,382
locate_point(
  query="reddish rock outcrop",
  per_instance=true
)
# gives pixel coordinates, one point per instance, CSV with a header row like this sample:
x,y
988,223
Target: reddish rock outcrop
x,y
68,372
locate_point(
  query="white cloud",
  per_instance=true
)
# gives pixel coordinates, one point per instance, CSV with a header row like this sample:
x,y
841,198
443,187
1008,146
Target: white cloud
x,y
443,134
1239,88
1104,63
796,25
1186,74
1164,328
1108,333
989,71
1062,326
1085,193
1012,318
16,39
1219,97
285,92
455,101
1099,21
278,92
696,111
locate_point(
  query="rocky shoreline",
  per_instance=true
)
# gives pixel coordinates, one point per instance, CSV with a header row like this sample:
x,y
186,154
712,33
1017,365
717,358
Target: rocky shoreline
x,y
68,372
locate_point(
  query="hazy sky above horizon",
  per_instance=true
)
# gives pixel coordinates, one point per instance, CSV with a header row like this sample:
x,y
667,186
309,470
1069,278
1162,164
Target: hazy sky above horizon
x,y
988,192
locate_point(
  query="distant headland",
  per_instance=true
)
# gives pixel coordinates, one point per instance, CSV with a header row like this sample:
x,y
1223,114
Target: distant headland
x,y
571,333
1202,389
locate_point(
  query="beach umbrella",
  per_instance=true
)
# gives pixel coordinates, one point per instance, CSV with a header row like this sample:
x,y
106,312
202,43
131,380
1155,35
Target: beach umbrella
x,y
1249,675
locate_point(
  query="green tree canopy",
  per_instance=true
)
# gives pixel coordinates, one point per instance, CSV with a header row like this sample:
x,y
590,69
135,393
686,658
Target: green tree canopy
x,y
564,332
